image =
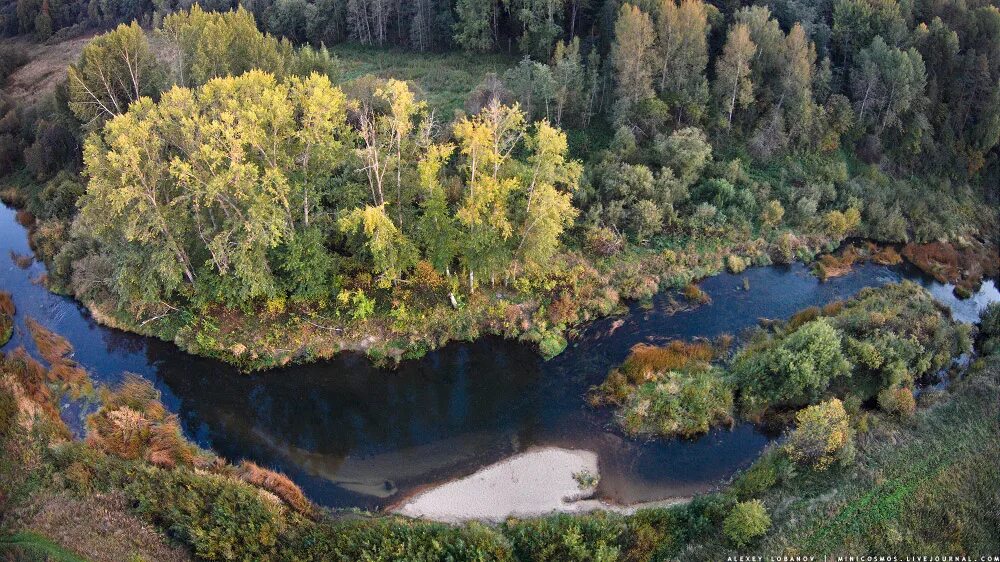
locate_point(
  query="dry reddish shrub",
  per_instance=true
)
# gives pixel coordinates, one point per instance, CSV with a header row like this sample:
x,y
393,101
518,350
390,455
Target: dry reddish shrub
x,y
134,424
276,483
833,308
68,372
6,317
6,303
801,317
938,259
887,256
24,218
29,377
563,310
694,294
426,278
51,346
645,360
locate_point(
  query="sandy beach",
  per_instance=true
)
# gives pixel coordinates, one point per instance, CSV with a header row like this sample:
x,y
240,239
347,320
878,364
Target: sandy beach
x,y
531,484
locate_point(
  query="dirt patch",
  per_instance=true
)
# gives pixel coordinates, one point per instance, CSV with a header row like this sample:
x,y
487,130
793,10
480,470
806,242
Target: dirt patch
x,y
46,67
100,528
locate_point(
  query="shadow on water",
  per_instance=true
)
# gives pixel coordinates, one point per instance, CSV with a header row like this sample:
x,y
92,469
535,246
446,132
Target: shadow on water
x,y
354,435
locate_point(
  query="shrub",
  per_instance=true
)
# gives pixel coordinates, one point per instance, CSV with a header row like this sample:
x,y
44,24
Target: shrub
x,y
603,241
796,369
822,435
276,483
747,521
735,264
989,321
6,317
693,293
898,401
563,537
680,403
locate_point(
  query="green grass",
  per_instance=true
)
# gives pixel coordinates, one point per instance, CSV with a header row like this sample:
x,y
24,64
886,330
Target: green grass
x,y
445,79
32,546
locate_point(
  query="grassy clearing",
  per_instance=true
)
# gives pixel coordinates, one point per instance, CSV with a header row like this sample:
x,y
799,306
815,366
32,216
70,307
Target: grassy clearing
x,y
445,79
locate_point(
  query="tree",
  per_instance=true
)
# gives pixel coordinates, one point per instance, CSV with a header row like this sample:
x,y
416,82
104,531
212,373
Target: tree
x,y
204,186
796,81
214,44
888,86
631,59
533,86
773,214
682,48
391,252
733,85
486,142
115,69
437,230
686,151
541,25
548,206
822,435
747,521
795,369
568,80
475,29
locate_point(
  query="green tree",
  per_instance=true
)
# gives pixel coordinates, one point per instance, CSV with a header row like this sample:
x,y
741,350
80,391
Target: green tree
x,y
390,251
475,29
822,435
548,206
682,48
796,369
733,84
115,69
213,44
568,80
888,86
204,186
541,25
747,521
632,59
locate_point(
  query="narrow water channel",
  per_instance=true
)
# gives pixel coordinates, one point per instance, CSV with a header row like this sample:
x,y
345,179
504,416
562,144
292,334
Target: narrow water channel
x,y
352,435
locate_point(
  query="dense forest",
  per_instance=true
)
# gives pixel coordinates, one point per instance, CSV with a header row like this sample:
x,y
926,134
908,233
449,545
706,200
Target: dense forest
x,y
202,164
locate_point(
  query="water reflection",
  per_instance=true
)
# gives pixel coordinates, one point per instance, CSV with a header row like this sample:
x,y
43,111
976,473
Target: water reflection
x,y
353,435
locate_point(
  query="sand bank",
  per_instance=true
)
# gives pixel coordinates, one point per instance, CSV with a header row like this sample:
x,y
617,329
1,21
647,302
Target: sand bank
x,y
531,484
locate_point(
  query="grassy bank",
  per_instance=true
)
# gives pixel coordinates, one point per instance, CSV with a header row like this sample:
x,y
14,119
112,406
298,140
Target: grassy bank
x,y
925,483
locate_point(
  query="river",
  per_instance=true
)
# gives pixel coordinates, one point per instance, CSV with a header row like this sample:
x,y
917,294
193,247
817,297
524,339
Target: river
x,y
352,435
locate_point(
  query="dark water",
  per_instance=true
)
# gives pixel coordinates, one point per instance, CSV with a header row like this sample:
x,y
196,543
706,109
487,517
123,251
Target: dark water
x,y
354,435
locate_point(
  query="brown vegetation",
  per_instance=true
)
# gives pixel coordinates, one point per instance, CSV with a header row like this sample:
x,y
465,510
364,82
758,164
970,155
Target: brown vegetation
x,y
645,360
133,424
7,311
963,265
276,483
100,527
52,347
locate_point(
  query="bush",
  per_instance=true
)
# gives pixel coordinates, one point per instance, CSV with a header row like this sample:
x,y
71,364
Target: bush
x,y
6,317
564,537
747,521
898,401
797,369
735,264
822,435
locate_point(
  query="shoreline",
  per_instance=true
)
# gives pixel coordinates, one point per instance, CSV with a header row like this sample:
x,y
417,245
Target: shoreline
x,y
302,340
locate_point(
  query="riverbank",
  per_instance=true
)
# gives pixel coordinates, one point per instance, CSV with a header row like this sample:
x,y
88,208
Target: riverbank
x,y
547,312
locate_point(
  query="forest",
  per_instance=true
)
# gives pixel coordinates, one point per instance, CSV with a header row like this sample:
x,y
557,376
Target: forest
x,y
611,150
